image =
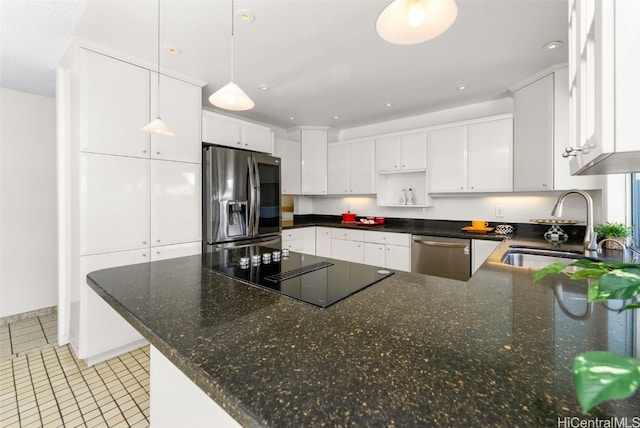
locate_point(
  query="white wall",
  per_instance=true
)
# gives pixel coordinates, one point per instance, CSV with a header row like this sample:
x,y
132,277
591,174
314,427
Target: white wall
x,y
28,249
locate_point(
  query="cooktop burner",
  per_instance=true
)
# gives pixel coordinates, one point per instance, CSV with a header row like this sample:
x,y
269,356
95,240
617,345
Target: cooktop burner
x,y
317,280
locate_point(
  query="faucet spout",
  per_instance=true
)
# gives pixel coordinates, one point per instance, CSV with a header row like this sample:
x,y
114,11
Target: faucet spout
x,y
620,244
590,243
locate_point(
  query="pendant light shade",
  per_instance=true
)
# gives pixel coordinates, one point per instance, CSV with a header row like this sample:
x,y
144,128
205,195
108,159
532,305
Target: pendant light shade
x,y
230,96
158,126
407,22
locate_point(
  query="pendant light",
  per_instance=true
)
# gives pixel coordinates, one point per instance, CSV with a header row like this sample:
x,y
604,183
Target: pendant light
x,y
407,22
230,96
158,126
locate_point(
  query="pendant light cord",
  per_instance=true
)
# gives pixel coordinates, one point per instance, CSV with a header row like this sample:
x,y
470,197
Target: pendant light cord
x,y
232,53
158,112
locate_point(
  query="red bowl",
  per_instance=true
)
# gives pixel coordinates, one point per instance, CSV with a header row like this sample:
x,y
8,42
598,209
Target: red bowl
x,y
379,220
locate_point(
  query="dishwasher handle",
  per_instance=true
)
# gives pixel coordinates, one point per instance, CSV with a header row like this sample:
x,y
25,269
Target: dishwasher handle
x,y
442,244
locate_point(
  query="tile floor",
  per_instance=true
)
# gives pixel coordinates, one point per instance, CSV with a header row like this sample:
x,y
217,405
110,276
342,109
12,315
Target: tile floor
x,y
45,385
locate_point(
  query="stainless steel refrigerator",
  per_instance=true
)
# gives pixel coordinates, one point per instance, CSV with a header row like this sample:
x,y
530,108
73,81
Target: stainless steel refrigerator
x,y
241,198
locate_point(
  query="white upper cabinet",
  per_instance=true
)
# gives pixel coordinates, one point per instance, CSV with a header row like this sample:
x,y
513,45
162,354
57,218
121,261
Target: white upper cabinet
x,y
226,131
180,108
350,168
114,203
604,66
472,158
448,160
314,161
533,136
290,170
176,206
541,134
114,105
401,153
490,156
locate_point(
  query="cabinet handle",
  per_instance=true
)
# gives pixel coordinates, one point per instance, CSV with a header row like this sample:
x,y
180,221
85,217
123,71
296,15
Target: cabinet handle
x,y
544,184
388,249
144,254
403,166
239,143
157,153
144,151
144,242
157,252
157,240
461,187
345,190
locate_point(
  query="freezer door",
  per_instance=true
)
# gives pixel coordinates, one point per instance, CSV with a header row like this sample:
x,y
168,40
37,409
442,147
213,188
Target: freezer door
x,y
268,205
226,194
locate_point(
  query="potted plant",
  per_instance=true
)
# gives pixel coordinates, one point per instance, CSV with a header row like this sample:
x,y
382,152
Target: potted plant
x,y
616,231
598,375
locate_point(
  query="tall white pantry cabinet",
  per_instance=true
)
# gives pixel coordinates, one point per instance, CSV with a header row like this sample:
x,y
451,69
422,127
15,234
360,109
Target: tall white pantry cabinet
x,y
124,197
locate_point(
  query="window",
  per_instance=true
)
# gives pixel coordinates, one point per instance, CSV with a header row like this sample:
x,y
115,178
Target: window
x,y
635,208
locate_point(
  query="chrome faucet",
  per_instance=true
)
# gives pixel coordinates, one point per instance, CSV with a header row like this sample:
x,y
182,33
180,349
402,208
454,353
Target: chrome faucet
x,y
590,237
624,247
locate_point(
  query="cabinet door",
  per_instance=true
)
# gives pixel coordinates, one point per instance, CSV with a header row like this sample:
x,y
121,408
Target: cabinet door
x,y
178,250
374,254
309,240
256,138
114,203
361,168
323,241
447,160
388,154
413,151
338,169
216,130
314,162
289,153
115,105
533,128
490,161
397,257
350,251
181,109
176,206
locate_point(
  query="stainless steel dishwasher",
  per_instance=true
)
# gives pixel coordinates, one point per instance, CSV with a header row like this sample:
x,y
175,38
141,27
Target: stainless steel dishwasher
x,y
445,257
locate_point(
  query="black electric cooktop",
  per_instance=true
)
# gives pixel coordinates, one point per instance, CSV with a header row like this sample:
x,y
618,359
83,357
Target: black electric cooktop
x,y
317,280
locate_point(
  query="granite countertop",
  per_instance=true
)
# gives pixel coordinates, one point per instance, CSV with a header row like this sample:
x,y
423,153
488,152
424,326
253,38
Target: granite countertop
x,y
411,350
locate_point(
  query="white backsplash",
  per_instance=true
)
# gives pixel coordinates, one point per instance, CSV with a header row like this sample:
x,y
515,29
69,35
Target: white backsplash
x,y
515,208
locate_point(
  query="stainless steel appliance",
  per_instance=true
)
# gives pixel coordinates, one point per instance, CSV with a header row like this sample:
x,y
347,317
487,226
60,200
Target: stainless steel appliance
x,y
241,198
445,257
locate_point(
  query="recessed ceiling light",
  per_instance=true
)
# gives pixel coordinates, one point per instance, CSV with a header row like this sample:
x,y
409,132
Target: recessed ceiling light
x,y
552,45
263,88
462,87
336,117
388,105
245,16
291,118
172,50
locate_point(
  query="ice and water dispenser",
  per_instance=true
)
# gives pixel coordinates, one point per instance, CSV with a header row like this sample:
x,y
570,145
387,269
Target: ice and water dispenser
x,y
237,218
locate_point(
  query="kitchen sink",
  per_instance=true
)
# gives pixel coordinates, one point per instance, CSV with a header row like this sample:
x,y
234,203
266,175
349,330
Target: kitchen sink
x,y
537,258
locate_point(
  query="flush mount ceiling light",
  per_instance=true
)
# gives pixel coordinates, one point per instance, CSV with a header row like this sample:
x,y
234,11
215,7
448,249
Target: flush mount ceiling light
x,y
230,96
552,45
157,126
462,87
407,22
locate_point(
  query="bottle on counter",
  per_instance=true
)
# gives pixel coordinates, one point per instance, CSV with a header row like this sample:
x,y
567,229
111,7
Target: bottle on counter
x,y
402,200
410,199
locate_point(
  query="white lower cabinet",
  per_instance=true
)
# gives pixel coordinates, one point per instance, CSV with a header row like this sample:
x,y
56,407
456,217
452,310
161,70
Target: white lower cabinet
x,y
351,251
323,241
98,332
387,249
302,240
480,250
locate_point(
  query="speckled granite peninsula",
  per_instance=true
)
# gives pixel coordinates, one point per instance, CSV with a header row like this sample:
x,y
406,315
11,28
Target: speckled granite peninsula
x,y
408,351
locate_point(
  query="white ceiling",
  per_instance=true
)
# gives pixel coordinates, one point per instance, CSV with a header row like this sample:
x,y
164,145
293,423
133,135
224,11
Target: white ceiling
x,y
320,58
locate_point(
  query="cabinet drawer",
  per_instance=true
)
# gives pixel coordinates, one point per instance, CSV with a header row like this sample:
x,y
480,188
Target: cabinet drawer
x,y
293,245
291,234
399,239
351,235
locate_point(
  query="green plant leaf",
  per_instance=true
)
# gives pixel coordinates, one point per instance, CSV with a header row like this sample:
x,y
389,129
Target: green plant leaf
x,y
593,293
631,306
621,283
549,270
601,376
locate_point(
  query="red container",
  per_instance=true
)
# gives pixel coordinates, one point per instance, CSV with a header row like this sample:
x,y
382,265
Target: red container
x,y
379,220
349,217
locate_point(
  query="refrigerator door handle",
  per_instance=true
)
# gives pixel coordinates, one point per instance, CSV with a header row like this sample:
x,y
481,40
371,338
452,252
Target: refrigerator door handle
x,y
209,202
252,198
257,196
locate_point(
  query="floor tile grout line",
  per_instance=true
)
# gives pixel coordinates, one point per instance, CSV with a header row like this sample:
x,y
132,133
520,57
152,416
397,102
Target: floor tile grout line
x,y
55,397
137,381
68,383
109,389
42,330
10,339
15,390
